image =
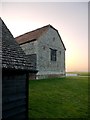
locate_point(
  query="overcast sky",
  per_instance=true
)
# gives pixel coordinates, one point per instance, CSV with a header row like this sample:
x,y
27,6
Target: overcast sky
x,y
69,18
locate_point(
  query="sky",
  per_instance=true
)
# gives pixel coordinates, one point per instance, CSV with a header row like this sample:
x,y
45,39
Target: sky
x,y
69,18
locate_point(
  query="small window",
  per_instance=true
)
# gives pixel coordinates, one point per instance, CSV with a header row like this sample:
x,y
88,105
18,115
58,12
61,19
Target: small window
x,y
44,47
53,38
60,52
53,54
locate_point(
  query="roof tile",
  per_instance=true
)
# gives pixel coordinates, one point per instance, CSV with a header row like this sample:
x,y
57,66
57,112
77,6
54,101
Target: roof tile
x,y
35,34
31,36
13,57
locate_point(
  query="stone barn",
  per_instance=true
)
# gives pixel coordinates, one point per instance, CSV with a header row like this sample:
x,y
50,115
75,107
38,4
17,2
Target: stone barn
x,y
15,76
47,50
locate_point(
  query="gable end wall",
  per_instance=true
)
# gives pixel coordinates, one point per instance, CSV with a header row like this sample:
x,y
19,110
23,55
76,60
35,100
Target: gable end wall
x,y
44,64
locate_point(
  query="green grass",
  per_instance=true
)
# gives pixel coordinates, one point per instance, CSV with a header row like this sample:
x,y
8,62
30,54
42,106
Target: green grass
x,y
58,98
84,73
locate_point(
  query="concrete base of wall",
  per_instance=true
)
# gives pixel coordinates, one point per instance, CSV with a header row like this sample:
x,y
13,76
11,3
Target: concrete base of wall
x,y
50,76
32,76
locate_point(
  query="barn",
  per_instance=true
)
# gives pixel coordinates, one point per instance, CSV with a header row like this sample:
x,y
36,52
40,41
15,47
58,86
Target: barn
x,y
15,75
46,50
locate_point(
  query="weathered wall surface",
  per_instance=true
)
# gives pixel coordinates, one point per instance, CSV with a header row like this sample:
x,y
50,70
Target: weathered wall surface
x,y
30,48
42,48
44,63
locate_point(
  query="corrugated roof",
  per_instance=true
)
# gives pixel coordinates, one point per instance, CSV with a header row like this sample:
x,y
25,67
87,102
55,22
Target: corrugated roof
x,y
13,57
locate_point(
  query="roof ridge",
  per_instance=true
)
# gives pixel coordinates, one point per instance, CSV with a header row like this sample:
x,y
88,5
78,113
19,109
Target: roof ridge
x,y
33,35
34,30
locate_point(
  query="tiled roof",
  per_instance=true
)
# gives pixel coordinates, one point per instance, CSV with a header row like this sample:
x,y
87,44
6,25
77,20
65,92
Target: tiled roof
x,y
33,59
35,34
31,36
13,57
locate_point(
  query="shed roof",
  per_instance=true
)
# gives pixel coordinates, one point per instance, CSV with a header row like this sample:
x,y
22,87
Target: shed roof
x,y
13,57
35,34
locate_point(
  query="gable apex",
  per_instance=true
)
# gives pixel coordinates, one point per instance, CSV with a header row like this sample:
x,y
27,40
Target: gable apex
x,y
33,35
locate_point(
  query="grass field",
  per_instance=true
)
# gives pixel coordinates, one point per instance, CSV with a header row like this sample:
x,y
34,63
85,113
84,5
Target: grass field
x,y
58,98
80,73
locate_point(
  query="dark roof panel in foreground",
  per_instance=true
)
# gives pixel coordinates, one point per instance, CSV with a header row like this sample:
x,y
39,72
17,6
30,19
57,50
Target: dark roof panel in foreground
x,y
13,57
